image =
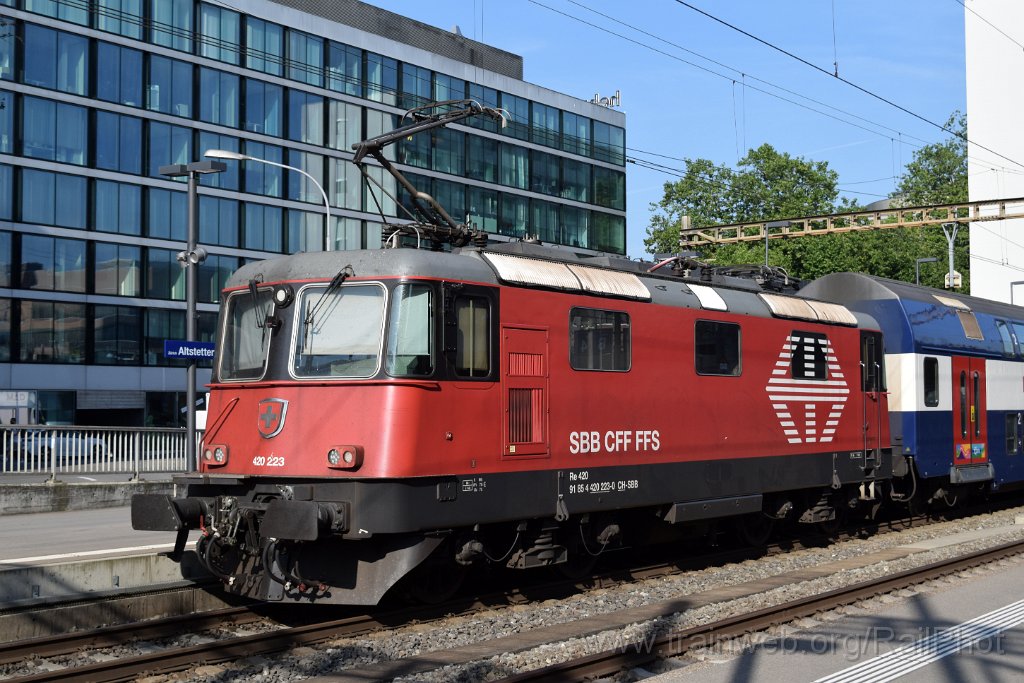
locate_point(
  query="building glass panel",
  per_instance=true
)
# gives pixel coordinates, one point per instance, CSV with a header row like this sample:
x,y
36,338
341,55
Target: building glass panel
x,y
608,232
379,191
118,142
416,86
5,330
264,46
345,69
305,57
449,151
348,233
576,134
161,324
171,23
169,89
68,11
116,334
515,166
54,131
165,278
168,145
167,214
213,275
345,125
514,216
575,180
609,188
118,269
545,125
52,332
263,178
118,74
264,110
218,221
483,209
482,159
576,226
544,173
305,117
415,150
422,183
52,263
378,123
609,143
263,227
487,97
117,207
218,97
218,33
7,51
381,78
123,17
228,179
39,193
40,68
346,185
6,192
305,231
451,196
6,259
448,88
6,122
301,188
544,222
518,112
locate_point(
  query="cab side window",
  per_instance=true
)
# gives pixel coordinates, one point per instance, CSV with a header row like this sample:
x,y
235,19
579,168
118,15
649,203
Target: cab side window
x,y
716,347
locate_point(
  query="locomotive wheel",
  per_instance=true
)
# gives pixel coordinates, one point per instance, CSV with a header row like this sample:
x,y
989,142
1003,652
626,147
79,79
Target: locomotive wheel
x,y
755,529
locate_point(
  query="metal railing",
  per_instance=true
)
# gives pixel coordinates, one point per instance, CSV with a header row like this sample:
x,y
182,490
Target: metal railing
x,y
39,449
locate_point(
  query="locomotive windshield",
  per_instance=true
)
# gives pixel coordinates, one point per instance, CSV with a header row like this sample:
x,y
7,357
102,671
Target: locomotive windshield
x,y
339,331
246,336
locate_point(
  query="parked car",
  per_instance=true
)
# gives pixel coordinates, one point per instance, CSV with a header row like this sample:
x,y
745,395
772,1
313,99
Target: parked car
x,y
63,444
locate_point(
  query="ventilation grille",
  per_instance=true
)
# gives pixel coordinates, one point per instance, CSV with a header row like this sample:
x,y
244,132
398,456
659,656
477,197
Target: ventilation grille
x,y
525,415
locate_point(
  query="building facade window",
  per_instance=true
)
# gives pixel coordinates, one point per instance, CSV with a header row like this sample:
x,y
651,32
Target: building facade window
x,y
264,46
575,180
118,142
608,233
54,131
162,324
219,33
5,330
228,179
123,17
381,79
518,112
451,196
264,107
515,166
545,125
263,227
305,231
449,151
218,97
118,269
117,207
6,192
6,122
345,125
346,185
482,209
66,11
169,88
514,215
305,58
52,263
171,23
345,69
576,134
487,97
544,221
118,74
448,88
609,143
378,192
544,176
609,188
168,145
305,117
165,278
482,159
416,86
576,226
378,123
56,60
8,51
52,332
116,334
263,178
39,199
218,221
6,258
167,214
348,233
213,275
301,188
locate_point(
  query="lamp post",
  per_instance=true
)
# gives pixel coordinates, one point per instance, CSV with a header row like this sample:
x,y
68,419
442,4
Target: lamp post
x,y
917,267
236,156
190,260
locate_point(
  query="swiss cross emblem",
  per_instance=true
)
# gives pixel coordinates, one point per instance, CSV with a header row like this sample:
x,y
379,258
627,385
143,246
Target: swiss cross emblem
x,y
272,412
807,389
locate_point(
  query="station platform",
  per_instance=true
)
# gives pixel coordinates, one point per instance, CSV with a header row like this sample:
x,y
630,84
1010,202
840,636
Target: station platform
x,y
36,493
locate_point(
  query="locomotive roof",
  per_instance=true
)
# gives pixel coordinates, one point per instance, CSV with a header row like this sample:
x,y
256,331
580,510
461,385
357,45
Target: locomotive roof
x,y
543,267
916,318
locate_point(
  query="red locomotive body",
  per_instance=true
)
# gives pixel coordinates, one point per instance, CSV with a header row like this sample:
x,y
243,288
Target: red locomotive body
x,y
378,413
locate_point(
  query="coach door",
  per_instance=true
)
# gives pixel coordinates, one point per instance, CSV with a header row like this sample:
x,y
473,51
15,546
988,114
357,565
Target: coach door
x,y
525,396
872,373
970,433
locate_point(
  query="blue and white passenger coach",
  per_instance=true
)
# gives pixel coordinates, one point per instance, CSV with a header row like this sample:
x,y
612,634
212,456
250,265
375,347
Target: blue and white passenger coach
x,y
955,376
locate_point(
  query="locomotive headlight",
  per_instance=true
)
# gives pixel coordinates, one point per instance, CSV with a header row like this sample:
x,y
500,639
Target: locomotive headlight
x,y
220,455
207,455
283,296
215,456
345,457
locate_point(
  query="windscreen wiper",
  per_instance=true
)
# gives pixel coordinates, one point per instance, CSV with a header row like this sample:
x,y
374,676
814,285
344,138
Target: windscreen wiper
x,y
334,285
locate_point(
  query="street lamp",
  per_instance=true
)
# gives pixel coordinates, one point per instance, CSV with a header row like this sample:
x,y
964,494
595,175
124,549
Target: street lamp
x,y
235,156
917,267
190,260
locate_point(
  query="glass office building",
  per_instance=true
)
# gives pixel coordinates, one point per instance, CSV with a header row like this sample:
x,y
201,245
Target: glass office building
x,y
97,95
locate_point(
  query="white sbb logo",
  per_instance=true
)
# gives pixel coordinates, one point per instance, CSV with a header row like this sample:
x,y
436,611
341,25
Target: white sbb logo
x,y
807,389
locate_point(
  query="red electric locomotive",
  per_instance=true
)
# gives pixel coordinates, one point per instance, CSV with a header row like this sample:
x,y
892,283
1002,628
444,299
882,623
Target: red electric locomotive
x,y
378,413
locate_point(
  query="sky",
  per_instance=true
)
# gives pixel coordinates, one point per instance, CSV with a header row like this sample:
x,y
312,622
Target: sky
x,y
692,87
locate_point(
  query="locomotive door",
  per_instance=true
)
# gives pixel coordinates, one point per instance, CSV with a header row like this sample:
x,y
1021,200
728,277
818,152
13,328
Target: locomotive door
x,y
970,433
872,373
524,366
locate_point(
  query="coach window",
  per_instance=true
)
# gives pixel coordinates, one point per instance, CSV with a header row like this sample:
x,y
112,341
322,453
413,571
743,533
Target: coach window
x,y
473,338
931,381
599,340
717,348
1006,337
411,332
